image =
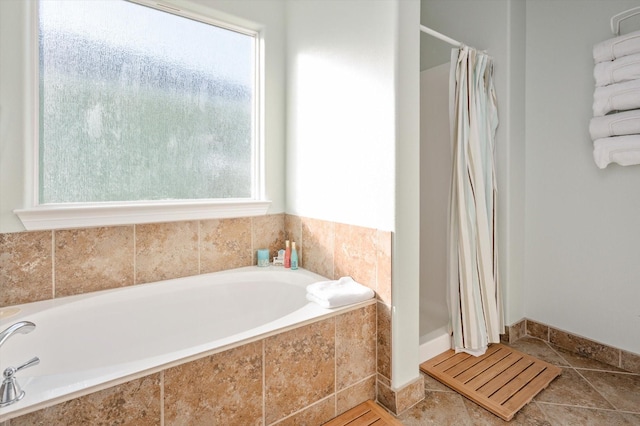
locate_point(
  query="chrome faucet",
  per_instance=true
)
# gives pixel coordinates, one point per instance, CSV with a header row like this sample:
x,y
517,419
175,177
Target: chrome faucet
x,y
10,391
22,327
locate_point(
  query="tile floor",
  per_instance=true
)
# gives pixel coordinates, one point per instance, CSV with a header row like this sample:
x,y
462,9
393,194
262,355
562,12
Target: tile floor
x,y
587,393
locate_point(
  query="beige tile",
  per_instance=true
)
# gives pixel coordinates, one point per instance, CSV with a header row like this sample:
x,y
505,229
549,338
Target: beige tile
x,y
530,415
539,349
225,244
134,403
384,340
580,361
318,238
293,232
410,395
355,346
268,232
92,259
299,368
620,389
222,389
25,267
384,380
384,248
353,395
517,331
438,408
584,347
431,384
355,254
317,414
386,396
630,362
563,415
538,330
166,250
571,389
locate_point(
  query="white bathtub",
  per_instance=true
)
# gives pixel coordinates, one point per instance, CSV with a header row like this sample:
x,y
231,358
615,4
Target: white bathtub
x,y
94,341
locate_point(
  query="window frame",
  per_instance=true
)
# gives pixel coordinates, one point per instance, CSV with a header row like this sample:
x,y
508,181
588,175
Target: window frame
x,y
36,216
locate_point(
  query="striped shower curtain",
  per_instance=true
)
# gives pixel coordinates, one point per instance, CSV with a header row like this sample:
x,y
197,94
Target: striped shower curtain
x,y
474,291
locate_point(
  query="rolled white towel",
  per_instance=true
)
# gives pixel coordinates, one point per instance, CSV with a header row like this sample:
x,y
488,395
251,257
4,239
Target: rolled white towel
x,y
620,124
332,294
624,150
619,96
624,45
622,69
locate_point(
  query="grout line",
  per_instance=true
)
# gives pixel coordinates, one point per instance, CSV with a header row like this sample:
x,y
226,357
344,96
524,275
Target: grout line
x,y
199,247
53,264
135,255
162,398
264,383
335,367
596,389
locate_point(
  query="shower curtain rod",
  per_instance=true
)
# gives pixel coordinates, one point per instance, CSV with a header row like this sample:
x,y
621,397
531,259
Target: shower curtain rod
x,y
440,36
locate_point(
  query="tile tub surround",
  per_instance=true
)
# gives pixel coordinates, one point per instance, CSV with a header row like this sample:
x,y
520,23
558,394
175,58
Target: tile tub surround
x,y
306,375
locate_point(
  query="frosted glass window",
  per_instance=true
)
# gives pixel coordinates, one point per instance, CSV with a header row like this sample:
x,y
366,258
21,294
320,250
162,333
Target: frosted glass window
x,y
141,104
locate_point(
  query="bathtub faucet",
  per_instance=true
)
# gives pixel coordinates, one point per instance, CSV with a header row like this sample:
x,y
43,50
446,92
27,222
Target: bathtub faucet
x,y
22,327
10,391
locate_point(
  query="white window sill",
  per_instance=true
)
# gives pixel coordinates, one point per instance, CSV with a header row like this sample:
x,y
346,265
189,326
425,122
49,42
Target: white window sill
x,y
65,216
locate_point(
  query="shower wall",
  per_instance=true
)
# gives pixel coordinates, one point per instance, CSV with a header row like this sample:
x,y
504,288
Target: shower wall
x,y
435,176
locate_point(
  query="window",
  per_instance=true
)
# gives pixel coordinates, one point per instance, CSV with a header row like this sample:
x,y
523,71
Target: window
x,y
140,105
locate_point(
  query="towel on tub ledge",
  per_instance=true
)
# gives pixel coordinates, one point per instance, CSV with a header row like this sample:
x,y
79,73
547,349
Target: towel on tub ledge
x,y
332,294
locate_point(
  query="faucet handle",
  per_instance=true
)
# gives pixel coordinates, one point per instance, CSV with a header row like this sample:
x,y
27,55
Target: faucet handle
x,y
10,391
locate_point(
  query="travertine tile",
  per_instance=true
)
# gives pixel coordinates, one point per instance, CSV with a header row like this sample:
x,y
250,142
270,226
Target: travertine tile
x,y
25,267
620,389
564,415
299,368
410,395
166,250
355,346
539,349
222,389
318,238
630,362
384,248
580,361
225,244
384,340
92,259
585,347
530,415
356,394
431,384
293,232
355,254
268,232
438,408
317,414
570,389
386,396
538,330
517,331
134,403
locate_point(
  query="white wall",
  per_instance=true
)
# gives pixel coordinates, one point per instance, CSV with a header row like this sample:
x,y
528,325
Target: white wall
x,y
340,101
582,223
353,135
16,132
497,26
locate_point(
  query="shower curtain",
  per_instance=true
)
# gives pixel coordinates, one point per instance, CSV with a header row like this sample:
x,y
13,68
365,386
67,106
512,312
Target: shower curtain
x,y
474,291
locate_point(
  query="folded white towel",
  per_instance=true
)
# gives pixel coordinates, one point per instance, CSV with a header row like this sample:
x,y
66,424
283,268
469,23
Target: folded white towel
x,y
331,294
622,123
624,45
622,69
619,96
624,150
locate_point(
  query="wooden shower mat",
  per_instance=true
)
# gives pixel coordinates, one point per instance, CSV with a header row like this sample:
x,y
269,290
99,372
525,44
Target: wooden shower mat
x,y
502,380
366,414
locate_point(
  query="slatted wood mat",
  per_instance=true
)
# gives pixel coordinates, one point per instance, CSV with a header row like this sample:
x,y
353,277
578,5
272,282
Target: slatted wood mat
x,y
365,414
502,380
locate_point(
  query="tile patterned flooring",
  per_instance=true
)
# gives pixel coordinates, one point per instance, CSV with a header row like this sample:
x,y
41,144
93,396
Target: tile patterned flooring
x,y
587,393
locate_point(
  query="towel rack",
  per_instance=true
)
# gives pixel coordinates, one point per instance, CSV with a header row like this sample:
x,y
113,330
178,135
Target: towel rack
x,y
616,19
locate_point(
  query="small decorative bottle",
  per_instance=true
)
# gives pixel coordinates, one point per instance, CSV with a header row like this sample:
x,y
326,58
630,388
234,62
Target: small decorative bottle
x,y
294,256
287,254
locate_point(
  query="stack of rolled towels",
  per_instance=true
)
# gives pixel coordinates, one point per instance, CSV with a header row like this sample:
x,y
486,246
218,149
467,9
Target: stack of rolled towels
x,y
615,126
332,294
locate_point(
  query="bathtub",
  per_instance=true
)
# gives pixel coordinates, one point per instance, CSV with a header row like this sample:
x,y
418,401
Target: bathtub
x,y
93,341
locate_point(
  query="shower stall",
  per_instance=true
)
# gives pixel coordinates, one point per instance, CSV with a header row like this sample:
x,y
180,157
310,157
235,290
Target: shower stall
x,y
435,177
